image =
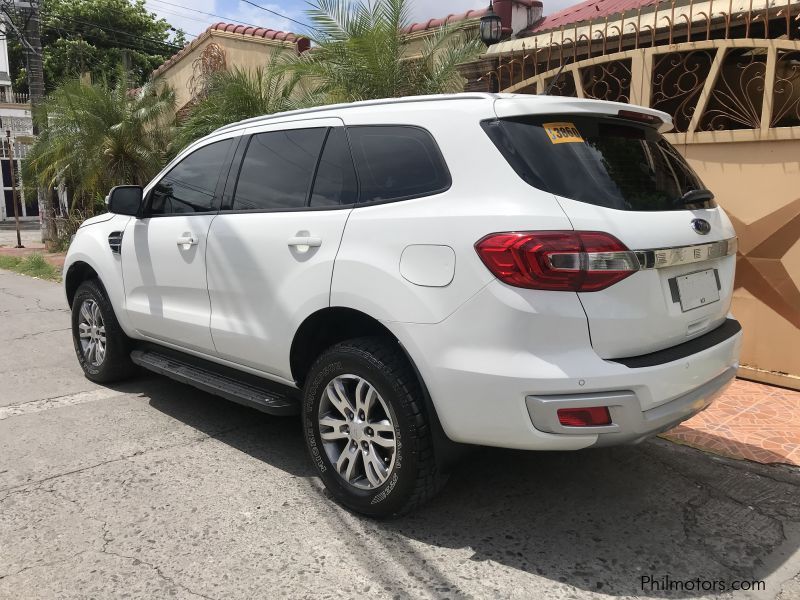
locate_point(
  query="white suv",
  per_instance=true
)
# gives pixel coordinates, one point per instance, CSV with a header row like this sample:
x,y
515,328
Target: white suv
x,y
415,274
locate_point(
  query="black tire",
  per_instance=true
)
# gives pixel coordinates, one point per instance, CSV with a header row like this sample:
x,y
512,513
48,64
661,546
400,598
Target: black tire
x,y
415,477
116,363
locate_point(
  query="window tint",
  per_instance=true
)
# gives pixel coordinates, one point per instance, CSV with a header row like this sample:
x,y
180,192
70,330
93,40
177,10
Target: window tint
x,y
397,162
335,183
606,162
277,169
190,185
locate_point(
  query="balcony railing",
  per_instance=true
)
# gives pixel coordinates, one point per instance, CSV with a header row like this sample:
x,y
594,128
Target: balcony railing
x,y
13,97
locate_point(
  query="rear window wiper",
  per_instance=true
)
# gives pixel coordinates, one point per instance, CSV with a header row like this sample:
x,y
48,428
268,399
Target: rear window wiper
x,y
695,197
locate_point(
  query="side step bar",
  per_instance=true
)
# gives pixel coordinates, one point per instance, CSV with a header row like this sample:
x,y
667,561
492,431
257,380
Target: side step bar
x,y
210,378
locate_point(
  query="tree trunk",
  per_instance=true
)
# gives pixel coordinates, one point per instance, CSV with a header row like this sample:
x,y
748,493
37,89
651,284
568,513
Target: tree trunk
x,y
33,59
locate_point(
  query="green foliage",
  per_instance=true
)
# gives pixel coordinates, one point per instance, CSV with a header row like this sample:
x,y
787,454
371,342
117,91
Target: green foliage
x,y
240,94
98,136
97,36
361,53
33,265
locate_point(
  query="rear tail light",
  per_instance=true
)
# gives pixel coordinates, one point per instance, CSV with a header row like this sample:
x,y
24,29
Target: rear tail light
x,y
593,416
578,261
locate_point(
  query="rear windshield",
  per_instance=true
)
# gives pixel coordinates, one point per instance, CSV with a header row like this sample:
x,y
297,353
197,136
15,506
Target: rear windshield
x,y
603,161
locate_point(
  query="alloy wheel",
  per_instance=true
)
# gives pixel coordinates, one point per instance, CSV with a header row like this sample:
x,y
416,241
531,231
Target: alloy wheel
x,y
92,333
357,431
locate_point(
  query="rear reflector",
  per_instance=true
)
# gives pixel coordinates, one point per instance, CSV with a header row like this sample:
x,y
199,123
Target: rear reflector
x,y
578,261
584,417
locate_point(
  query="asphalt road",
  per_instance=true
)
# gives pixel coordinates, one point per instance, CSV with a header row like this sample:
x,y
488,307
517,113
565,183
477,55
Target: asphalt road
x,y
151,489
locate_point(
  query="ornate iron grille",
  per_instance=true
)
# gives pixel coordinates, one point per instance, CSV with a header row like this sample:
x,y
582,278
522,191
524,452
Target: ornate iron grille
x,y
608,81
737,97
786,92
678,79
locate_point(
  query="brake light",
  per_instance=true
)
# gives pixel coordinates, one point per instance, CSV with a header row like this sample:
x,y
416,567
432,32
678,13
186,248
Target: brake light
x,y
578,261
592,416
633,115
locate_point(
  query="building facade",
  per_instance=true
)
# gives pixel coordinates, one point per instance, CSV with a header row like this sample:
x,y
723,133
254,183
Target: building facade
x,y
15,117
221,46
225,45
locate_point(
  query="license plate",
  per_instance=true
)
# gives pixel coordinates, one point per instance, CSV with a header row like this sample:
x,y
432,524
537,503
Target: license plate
x,y
697,289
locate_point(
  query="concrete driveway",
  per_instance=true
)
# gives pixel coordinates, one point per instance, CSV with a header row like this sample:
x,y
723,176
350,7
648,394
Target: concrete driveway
x,y
30,234
151,489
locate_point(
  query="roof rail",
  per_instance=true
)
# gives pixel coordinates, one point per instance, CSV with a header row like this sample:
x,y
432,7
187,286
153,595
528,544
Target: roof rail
x,y
330,107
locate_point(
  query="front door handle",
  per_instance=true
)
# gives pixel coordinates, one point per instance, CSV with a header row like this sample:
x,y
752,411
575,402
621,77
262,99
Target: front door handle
x,y
187,240
309,241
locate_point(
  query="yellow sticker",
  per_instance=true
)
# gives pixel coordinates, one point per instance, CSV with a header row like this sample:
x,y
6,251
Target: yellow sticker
x,y
563,133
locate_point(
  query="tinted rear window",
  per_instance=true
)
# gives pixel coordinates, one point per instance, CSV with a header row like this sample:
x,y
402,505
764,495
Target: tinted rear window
x,y
397,162
335,183
277,169
606,162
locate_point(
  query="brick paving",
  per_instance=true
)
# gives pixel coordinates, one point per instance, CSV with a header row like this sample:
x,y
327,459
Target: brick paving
x,y
750,421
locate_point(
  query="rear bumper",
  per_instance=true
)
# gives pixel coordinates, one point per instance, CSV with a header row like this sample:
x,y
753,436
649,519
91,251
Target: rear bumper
x,y
629,423
484,363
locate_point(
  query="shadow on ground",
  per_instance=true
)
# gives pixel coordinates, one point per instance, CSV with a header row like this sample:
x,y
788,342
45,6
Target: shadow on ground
x,y
599,520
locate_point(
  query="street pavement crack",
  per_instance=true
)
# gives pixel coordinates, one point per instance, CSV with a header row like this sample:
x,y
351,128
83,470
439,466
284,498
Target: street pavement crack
x,y
717,491
37,333
171,580
708,492
37,301
47,564
198,440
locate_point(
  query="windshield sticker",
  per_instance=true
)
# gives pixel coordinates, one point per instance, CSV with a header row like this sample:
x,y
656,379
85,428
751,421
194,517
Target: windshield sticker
x,y
563,133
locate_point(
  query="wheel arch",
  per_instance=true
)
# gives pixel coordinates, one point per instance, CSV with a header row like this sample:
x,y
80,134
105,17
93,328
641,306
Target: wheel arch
x,y
326,327
332,325
76,274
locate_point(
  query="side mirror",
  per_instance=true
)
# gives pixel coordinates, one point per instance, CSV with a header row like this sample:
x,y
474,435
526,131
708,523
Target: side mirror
x,y
125,200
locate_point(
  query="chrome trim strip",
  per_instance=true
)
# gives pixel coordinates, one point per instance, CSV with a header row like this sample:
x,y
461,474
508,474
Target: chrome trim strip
x,y
661,258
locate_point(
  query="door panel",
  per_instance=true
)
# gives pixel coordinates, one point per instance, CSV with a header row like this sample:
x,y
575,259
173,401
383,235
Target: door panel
x,y
262,288
270,260
164,254
165,281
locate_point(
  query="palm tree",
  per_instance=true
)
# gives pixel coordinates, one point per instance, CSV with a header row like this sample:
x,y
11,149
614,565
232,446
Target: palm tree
x,y
96,136
361,52
233,95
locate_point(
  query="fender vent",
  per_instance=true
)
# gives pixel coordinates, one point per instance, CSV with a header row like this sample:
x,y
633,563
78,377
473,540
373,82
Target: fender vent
x,y
115,241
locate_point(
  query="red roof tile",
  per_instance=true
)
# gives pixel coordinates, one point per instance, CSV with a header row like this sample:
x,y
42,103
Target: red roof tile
x,y
591,9
269,34
303,44
454,18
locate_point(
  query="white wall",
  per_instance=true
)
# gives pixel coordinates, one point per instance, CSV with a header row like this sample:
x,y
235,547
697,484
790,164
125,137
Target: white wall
x,y
4,56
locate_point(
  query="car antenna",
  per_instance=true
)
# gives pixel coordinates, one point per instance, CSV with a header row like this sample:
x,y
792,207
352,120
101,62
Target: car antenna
x,y
553,81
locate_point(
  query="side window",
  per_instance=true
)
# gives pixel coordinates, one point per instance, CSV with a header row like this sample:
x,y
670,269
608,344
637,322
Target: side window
x,y
335,183
277,169
190,186
397,162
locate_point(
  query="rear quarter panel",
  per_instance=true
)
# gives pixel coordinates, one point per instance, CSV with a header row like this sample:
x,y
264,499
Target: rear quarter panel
x,y
485,196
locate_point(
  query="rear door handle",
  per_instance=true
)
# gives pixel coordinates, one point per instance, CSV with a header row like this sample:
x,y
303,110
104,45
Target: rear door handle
x,y
186,241
312,242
